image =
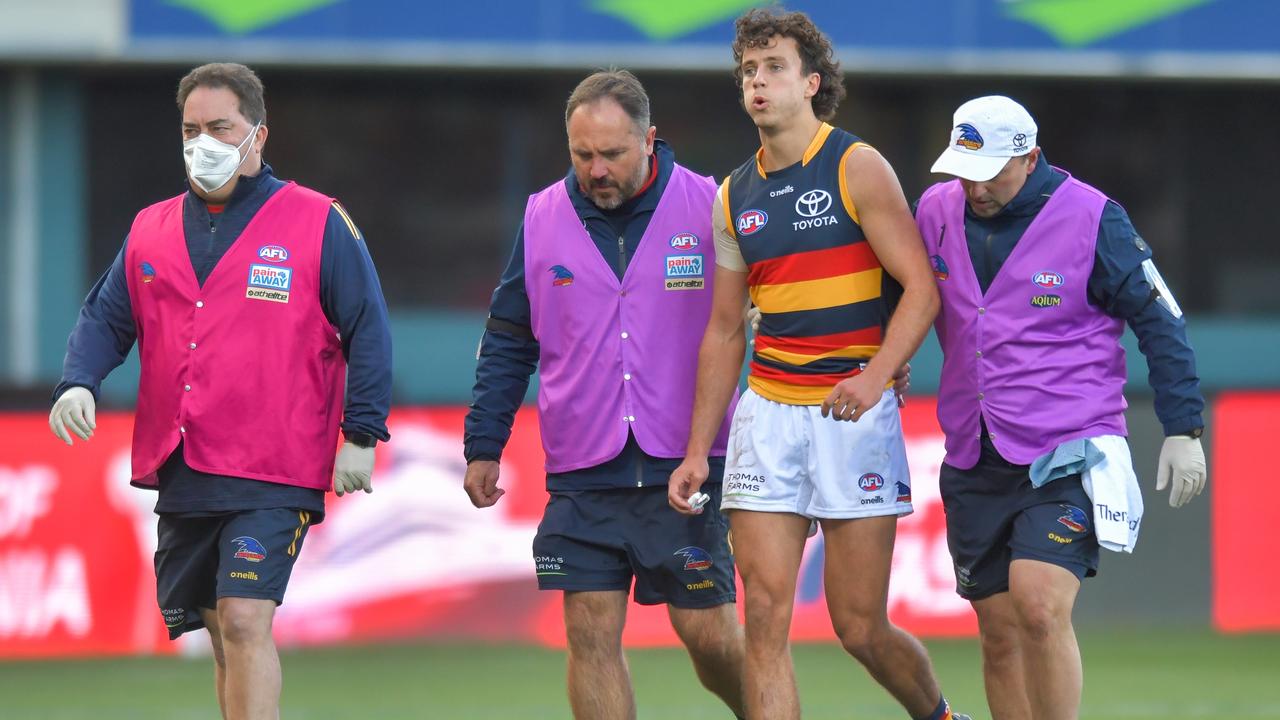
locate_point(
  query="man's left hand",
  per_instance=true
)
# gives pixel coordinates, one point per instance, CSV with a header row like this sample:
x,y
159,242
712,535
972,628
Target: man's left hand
x,y
353,470
852,397
1182,462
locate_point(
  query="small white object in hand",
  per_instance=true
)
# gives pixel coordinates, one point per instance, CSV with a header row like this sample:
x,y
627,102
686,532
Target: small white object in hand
x,y
697,500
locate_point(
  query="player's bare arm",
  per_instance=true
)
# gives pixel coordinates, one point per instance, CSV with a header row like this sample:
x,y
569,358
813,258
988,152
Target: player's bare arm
x,y
886,219
719,364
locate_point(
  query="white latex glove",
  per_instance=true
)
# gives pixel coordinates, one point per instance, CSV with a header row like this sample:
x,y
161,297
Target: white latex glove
x,y
1181,460
753,322
353,469
73,411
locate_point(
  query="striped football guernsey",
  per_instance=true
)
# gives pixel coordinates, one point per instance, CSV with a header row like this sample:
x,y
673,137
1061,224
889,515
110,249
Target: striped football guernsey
x,y
819,286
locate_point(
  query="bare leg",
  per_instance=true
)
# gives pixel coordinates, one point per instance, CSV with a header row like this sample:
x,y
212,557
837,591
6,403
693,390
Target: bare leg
x,y
599,681
210,618
1043,597
1002,661
859,556
252,684
768,548
715,643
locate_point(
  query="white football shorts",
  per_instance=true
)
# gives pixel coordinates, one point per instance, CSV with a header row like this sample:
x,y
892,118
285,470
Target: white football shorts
x,y
788,458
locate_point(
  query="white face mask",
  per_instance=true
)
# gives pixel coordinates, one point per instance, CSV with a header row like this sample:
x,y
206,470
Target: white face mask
x,y
212,163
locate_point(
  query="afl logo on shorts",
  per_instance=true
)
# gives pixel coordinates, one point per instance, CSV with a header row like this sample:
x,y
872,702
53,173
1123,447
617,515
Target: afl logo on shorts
x,y
684,241
1046,279
752,222
871,482
273,253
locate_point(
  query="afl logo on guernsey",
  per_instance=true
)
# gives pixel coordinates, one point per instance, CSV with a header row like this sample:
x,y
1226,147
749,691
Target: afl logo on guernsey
x,y
1047,279
871,482
684,241
273,253
751,222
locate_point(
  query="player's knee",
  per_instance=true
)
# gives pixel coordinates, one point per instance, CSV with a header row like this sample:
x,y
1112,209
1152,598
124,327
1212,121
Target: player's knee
x,y
1041,617
1000,645
861,637
243,621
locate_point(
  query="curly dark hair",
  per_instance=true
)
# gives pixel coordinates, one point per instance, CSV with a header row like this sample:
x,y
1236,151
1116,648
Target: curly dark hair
x,y
758,27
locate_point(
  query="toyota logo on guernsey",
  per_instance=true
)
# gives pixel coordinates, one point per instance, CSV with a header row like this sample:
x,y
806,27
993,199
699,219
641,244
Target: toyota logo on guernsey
x,y
1047,279
813,203
751,222
811,206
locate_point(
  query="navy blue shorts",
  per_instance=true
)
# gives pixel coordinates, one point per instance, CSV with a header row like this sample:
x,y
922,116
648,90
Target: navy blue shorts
x,y
995,516
601,539
245,554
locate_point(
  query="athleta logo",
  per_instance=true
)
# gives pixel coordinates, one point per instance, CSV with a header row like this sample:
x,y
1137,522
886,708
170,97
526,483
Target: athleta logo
x,y
813,203
752,222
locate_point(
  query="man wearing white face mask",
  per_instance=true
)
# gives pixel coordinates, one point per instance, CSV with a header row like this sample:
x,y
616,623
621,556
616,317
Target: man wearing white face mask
x,y
253,302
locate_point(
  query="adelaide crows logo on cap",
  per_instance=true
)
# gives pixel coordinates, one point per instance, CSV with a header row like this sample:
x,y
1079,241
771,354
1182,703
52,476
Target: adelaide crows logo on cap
x,y
968,137
250,549
560,275
695,558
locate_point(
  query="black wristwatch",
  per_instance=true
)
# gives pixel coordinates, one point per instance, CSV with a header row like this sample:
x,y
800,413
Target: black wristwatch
x,y
360,439
1194,433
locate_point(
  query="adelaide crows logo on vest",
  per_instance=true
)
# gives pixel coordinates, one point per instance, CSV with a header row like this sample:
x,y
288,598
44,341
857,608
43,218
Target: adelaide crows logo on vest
x,y
968,137
250,549
148,272
560,275
695,558
939,267
268,282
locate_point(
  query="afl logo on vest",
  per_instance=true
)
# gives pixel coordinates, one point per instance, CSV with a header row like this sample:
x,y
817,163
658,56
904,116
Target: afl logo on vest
x,y
1047,279
273,253
751,222
684,241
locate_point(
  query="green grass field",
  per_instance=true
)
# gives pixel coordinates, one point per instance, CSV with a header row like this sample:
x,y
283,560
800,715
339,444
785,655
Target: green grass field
x,y
1128,675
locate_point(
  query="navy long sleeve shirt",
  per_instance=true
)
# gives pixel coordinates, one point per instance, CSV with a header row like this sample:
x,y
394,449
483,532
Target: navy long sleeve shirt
x,y
350,295
509,353
1117,284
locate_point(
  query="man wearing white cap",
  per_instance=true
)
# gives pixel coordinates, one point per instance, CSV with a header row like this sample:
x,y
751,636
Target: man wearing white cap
x,y
1038,274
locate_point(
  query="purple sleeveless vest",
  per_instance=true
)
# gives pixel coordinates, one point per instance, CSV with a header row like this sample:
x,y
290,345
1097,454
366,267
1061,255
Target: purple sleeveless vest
x,y
1032,357
619,356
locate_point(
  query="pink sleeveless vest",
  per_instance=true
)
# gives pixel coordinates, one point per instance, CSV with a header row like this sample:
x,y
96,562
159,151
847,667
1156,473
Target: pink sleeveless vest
x,y
246,371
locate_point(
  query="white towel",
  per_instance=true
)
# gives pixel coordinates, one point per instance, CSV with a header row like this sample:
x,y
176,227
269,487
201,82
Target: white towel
x,y
1112,486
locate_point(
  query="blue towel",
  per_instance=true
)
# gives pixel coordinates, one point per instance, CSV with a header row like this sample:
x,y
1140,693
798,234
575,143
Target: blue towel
x,y
1069,458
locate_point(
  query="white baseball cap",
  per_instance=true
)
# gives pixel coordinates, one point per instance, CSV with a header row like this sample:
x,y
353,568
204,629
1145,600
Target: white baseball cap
x,y
985,133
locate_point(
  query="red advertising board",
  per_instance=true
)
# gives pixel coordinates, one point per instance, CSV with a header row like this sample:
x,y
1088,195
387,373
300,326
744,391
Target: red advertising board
x,y
1245,493
412,560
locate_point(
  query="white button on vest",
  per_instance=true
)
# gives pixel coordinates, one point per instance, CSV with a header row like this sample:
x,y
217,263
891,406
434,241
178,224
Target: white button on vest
x,y
187,388
199,303
625,335
982,311
181,429
626,376
192,346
